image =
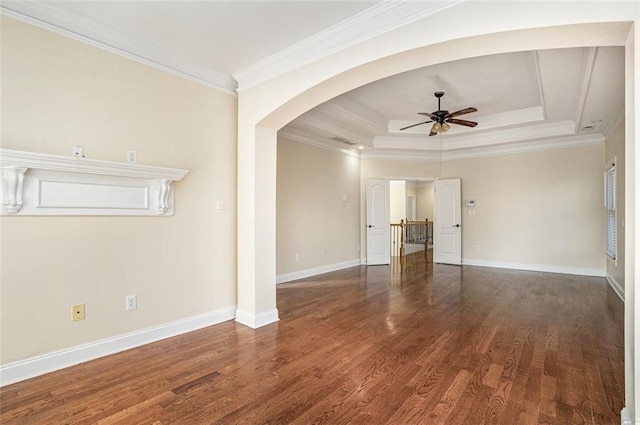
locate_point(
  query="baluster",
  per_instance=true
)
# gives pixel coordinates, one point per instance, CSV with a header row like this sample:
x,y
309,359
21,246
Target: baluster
x,y
402,228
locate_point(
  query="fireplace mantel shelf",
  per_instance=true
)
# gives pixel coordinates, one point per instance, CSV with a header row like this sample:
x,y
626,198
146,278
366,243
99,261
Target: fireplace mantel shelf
x,y
44,184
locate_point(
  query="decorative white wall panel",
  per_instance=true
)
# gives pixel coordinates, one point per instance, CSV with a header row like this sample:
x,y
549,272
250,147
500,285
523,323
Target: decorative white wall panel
x,y
41,184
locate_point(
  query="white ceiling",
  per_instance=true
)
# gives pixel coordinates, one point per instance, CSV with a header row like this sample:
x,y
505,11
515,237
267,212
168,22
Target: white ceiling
x,y
525,100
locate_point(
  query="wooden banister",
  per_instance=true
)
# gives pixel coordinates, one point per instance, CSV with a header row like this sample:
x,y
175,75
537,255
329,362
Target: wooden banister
x,y
405,232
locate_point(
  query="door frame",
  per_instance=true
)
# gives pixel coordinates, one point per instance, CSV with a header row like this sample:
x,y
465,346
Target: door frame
x,y
363,234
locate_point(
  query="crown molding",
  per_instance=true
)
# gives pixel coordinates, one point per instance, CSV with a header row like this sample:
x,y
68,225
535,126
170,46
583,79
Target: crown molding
x,y
415,143
525,147
486,151
398,155
479,139
543,102
79,27
384,17
449,155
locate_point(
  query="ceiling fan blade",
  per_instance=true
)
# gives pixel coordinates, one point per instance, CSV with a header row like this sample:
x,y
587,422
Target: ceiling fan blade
x,y
413,125
462,122
429,114
461,112
431,133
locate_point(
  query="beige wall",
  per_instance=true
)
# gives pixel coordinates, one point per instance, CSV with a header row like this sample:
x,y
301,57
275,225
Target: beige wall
x,y
424,200
311,213
614,148
56,93
538,208
410,190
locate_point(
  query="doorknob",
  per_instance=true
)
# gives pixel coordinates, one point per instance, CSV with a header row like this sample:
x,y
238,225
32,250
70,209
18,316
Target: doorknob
x,y
370,225
457,225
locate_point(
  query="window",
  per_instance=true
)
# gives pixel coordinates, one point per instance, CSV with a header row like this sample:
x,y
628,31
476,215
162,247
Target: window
x,y
610,205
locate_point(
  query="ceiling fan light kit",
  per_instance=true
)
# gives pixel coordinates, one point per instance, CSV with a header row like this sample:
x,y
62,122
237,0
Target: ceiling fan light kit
x,y
441,118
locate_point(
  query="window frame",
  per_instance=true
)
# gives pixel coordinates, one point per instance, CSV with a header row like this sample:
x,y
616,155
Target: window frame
x,y
610,204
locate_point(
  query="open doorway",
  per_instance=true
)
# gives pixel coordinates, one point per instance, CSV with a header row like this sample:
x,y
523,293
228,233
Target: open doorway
x,y
411,217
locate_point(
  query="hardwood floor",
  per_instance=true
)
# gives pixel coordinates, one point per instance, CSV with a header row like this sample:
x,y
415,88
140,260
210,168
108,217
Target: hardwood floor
x,y
419,344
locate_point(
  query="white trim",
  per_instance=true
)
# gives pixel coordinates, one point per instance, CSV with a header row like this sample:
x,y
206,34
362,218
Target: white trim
x,y
42,161
625,417
97,34
301,274
258,320
402,156
50,362
586,71
43,184
615,285
379,19
580,271
465,139
481,152
534,146
543,103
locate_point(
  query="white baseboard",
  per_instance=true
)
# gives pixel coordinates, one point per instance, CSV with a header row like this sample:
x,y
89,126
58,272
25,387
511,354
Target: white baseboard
x,y
288,277
580,271
258,320
615,285
50,362
625,417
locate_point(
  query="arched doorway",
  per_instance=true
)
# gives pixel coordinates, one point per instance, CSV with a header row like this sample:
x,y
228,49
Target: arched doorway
x,y
467,30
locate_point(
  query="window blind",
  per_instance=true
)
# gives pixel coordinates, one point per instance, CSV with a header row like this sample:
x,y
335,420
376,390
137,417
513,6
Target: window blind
x,y
610,204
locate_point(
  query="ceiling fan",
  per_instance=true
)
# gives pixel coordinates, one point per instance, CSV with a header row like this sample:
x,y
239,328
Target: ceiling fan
x,y
443,117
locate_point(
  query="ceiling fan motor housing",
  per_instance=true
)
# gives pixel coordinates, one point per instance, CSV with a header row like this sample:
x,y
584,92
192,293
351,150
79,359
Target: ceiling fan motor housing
x,y
443,117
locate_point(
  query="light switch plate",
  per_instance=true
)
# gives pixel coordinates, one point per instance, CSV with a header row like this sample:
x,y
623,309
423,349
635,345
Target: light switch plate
x,y
132,157
131,302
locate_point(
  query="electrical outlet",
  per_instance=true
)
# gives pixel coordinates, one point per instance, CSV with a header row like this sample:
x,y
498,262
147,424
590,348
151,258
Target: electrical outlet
x,y
219,207
476,248
77,152
324,253
77,312
132,157
297,257
131,302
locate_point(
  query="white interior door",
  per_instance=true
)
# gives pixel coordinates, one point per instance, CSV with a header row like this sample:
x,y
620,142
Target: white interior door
x,y
447,225
378,225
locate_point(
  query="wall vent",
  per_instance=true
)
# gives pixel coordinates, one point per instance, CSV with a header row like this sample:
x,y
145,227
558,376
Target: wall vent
x,y
343,140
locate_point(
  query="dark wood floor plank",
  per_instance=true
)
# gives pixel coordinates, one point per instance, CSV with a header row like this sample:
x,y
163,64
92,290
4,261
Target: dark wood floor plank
x,y
416,343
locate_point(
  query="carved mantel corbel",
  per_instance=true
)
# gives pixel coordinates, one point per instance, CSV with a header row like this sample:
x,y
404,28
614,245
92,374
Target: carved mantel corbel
x,y
13,183
164,189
